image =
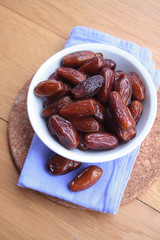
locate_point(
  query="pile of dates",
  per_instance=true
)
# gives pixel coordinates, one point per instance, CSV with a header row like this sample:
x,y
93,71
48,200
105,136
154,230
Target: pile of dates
x,y
88,104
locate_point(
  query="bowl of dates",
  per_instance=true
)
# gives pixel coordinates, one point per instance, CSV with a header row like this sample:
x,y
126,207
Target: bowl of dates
x,y
92,103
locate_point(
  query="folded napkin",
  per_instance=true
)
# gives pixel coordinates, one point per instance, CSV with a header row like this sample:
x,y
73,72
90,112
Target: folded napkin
x,y
106,194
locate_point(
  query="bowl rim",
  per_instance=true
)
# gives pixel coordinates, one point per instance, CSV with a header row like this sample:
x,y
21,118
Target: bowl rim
x,y
102,157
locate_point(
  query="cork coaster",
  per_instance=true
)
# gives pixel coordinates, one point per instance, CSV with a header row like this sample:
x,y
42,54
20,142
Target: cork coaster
x,y
145,171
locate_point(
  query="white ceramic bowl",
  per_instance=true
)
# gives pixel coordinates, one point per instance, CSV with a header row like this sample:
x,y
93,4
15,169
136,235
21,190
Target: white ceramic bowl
x,y
124,62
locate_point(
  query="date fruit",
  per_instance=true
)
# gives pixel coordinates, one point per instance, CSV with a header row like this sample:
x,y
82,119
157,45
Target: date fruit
x,y
138,87
65,131
100,114
76,59
120,111
59,165
136,109
71,74
87,178
87,124
54,107
89,87
49,88
107,86
92,66
110,64
124,87
101,141
79,109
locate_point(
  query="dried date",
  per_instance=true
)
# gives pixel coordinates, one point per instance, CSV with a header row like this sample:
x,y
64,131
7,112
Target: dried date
x,y
88,87
71,74
138,87
101,141
65,131
136,109
59,165
87,178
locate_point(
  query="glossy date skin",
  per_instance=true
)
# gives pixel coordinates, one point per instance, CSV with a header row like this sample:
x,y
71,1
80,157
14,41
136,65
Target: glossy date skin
x,y
138,87
124,87
64,131
101,141
87,124
59,165
107,86
79,109
49,88
92,66
120,111
89,87
87,178
136,109
110,64
55,106
72,75
77,59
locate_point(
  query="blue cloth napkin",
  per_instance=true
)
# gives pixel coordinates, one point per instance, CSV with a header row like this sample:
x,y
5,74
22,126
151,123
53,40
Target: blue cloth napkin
x,y
105,196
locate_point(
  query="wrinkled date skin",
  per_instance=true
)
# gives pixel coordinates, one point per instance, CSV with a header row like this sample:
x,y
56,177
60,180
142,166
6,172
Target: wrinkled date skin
x,y
136,109
59,165
110,64
55,106
101,141
107,86
87,178
124,87
49,88
77,59
79,109
138,87
65,131
89,87
87,124
92,66
72,75
120,111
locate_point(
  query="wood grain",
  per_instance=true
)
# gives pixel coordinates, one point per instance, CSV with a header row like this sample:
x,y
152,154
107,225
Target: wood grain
x,y
128,20
31,31
23,49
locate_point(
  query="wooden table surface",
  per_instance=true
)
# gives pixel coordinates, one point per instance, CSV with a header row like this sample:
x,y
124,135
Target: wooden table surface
x,y
32,31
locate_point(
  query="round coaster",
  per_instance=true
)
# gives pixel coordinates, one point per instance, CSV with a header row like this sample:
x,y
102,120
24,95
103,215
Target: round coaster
x,y
145,171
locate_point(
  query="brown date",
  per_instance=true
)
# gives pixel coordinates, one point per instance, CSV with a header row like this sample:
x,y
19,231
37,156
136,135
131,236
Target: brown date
x,y
100,114
65,131
87,178
59,165
89,87
120,111
55,106
92,66
49,88
87,124
117,76
123,134
71,74
82,145
138,87
66,91
110,64
124,87
136,109
54,76
101,141
107,86
76,59
79,109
